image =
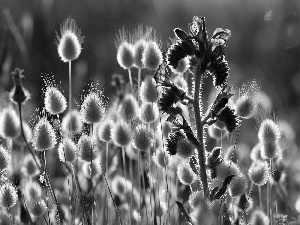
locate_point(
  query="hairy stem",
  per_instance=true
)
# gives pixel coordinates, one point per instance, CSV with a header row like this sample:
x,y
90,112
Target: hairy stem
x,y
199,127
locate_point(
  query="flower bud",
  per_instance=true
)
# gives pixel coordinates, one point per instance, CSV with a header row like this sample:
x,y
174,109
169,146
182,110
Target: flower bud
x,y
9,123
185,173
104,131
259,172
8,195
269,149
238,186
55,102
121,134
43,136
18,93
125,55
87,149
92,109
73,120
67,150
185,149
148,90
152,56
4,158
129,107
37,207
258,217
142,138
149,112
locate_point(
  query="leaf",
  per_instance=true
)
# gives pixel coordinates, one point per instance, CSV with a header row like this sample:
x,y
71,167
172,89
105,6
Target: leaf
x,y
180,33
223,189
184,212
212,193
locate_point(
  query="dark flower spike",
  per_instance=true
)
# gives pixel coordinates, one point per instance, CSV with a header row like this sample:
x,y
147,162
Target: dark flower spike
x,y
219,69
213,160
18,94
228,116
222,99
172,140
182,35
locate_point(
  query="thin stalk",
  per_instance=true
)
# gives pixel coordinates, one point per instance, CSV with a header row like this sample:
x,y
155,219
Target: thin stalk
x,y
259,196
139,83
130,80
197,104
270,193
70,96
106,171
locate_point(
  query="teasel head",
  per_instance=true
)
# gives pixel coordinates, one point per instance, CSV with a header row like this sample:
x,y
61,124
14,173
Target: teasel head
x,y
139,47
73,120
87,149
149,112
8,195
143,138
220,71
121,134
32,190
148,90
29,168
67,150
37,207
172,140
9,123
18,94
129,107
4,158
104,130
152,56
185,173
228,116
55,101
259,172
69,41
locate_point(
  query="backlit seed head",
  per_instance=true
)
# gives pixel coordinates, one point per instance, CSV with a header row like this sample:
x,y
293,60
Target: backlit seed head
x,y
258,217
185,173
92,109
125,55
118,185
70,40
238,186
4,158
142,138
74,120
196,198
8,195
121,134
149,112
87,149
185,149
259,172
269,149
148,90
183,66
268,131
152,56
256,152
129,107
104,131
9,123
181,82
139,48
55,102
161,158
37,207
28,135
32,190
67,150
226,168
43,136
29,167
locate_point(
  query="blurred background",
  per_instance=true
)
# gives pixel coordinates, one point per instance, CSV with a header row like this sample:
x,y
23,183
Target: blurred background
x,y
265,42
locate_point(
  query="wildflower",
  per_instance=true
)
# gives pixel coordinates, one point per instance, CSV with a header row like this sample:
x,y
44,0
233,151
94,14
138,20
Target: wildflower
x,y
258,217
219,69
92,109
181,83
185,149
4,158
9,123
29,167
18,94
55,102
152,56
259,172
43,136
37,207
196,198
121,134
67,150
73,120
229,118
139,48
172,140
238,186
129,107
148,90
149,112
142,138
70,40
104,131
125,55
27,132
87,149
8,195
185,173
161,158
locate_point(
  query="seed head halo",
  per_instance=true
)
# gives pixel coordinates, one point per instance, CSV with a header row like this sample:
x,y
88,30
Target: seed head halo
x,y
69,41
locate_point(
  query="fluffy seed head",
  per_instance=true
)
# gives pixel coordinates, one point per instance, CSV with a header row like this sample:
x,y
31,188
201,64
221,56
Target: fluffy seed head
x,y
28,135
55,102
268,131
196,198
238,186
92,109
29,167
142,138
258,217
183,66
161,158
74,120
152,56
87,149
67,150
121,134
32,190
149,112
185,149
8,195
104,131
125,55
69,43
9,123
259,172
185,173
256,153
37,207
226,168
4,158
269,149
43,136
139,48
148,90
129,107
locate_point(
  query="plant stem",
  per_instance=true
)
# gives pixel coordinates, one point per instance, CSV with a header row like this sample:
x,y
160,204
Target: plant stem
x,y
197,110
130,80
70,97
259,196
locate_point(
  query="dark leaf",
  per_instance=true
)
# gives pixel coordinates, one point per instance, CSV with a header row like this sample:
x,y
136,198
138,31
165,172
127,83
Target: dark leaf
x,y
180,33
184,212
223,189
212,193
